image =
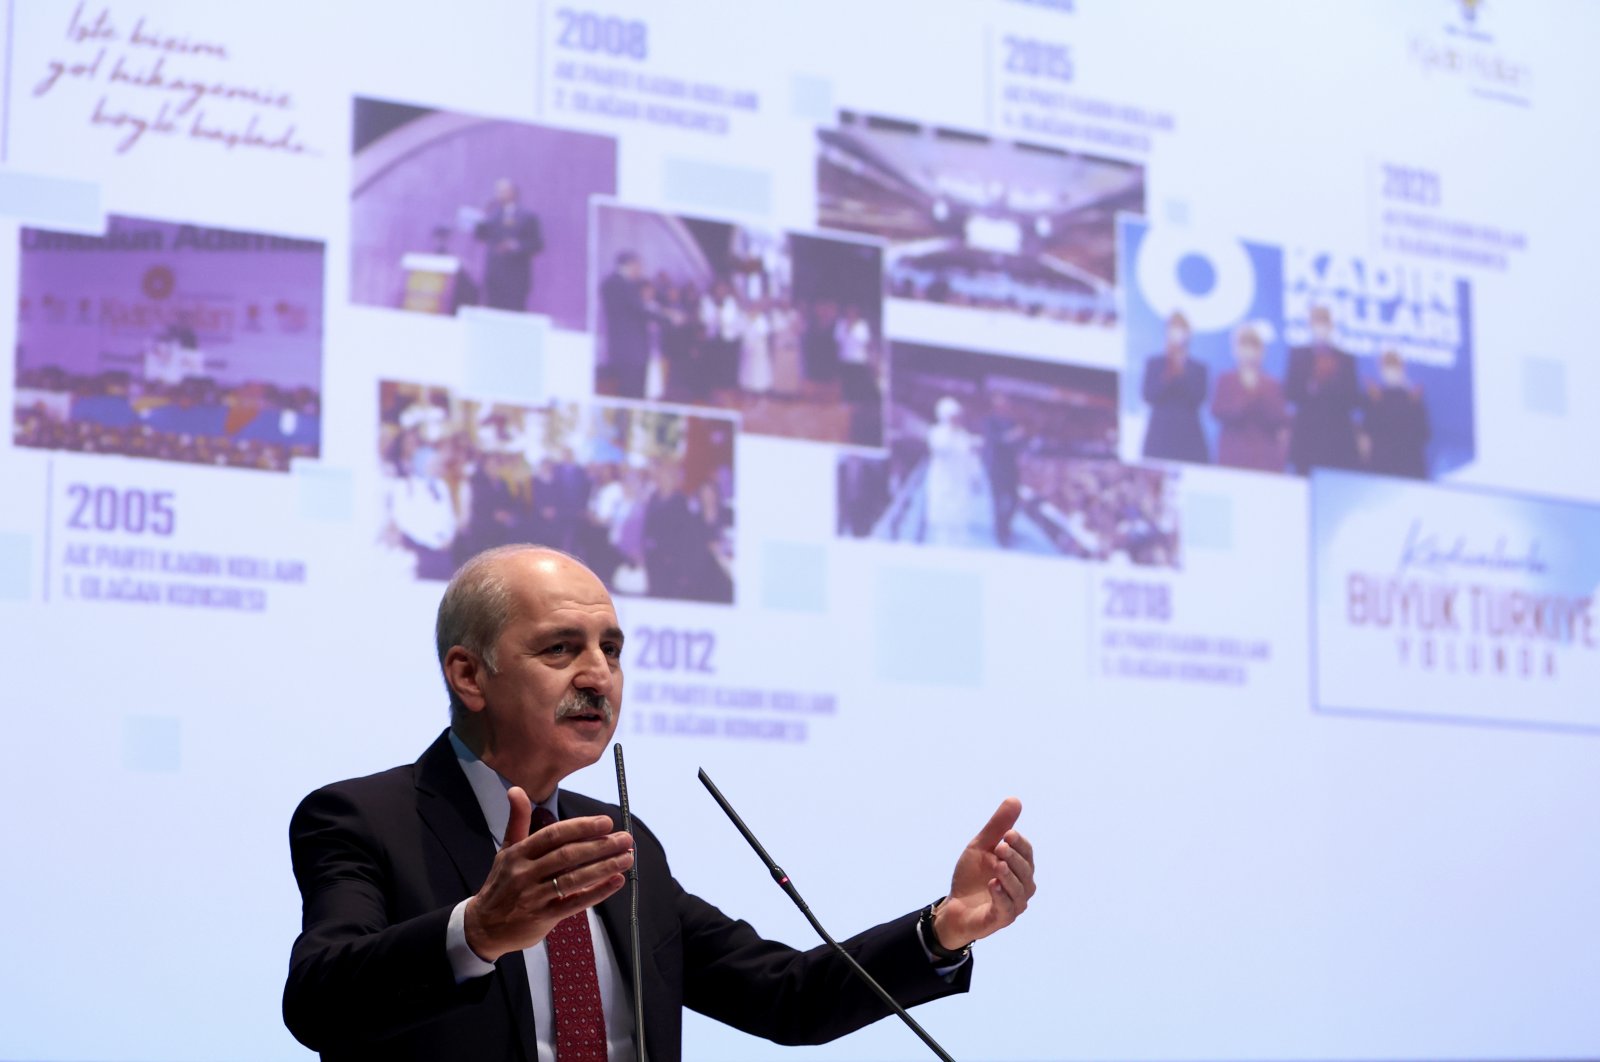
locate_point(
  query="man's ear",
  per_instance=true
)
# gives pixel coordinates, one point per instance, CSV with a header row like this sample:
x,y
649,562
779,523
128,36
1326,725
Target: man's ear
x,y
464,672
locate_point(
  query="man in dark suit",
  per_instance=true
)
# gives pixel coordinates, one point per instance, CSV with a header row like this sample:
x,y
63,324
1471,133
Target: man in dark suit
x,y
1322,385
514,238
421,941
570,488
627,319
677,539
1396,419
1003,440
1175,386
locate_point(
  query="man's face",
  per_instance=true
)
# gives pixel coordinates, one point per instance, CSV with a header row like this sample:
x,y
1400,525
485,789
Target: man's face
x,y
1392,371
1321,322
1247,352
552,704
1177,336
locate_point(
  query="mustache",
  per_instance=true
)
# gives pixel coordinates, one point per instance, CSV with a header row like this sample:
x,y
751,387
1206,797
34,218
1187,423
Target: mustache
x,y
580,702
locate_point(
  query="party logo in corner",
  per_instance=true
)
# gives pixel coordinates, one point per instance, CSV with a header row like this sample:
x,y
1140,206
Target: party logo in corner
x,y
1466,49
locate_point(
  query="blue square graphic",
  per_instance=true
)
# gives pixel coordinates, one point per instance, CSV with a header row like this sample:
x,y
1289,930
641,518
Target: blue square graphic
x,y
710,186
504,355
794,576
1207,521
52,202
152,743
811,98
325,493
1544,386
16,566
930,626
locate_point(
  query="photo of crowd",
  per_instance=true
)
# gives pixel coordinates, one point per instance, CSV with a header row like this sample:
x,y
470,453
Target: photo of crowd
x,y
979,222
171,342
784,328
643,497
450,210
1324,413
994,452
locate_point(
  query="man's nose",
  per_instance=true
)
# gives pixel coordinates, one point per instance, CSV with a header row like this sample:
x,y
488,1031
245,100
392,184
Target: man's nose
x,y
594,671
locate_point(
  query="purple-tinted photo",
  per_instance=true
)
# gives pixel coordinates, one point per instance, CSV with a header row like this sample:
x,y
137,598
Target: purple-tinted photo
x,y
451,210
994,452
975,221
643,496
784,327
170,341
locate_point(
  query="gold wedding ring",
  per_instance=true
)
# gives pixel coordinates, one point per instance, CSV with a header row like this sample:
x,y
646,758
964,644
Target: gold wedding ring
x,y
556,882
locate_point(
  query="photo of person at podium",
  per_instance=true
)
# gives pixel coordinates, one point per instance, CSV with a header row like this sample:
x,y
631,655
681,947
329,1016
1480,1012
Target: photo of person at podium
x,y
512,239
425,238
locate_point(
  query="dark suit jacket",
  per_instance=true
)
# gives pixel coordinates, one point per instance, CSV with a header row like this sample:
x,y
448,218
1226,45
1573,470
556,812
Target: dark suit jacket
x,y
1323,434
508,272
382,860
1397,420
627,319
1174,431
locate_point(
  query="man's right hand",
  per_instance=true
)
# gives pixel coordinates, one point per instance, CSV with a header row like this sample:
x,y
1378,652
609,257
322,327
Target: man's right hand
x,y
539,879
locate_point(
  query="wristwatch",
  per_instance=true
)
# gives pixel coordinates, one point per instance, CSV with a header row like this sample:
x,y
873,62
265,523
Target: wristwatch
x,y
942,955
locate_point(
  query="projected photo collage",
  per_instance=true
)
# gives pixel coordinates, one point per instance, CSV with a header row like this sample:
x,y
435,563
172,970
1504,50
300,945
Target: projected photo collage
x,y
702,328
757,329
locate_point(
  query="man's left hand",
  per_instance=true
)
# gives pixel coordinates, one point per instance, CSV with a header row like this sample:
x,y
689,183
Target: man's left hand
x,y
992,884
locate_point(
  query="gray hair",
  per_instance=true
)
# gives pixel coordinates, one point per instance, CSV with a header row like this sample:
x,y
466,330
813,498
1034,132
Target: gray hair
x,y
476,606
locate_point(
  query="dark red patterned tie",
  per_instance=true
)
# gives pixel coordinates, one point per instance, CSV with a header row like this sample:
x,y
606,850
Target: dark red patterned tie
x,y
574,985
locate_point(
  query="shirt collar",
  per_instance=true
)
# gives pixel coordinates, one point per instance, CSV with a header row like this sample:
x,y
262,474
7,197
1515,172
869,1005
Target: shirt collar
x,y
490,789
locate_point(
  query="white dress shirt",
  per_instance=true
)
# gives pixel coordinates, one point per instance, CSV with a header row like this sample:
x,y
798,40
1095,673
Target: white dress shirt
x,y
421,510
855,342
615,998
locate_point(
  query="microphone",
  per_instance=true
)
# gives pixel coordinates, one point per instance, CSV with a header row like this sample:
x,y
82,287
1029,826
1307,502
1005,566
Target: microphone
x,y
633,909
788,887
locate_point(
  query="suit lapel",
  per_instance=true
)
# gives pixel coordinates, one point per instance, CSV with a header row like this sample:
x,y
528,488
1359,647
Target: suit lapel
x,y
449,809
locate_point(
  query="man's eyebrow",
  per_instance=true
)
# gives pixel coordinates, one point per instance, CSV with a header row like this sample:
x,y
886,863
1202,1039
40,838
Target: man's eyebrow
x,y
558,633
551,634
